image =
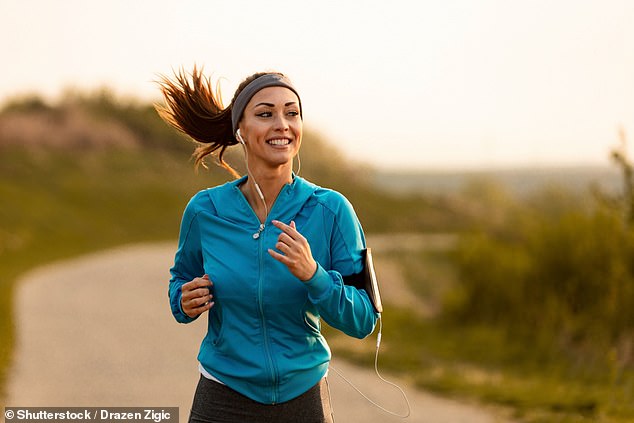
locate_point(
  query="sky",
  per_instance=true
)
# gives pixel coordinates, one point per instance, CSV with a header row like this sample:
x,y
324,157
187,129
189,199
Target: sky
x,y
402,85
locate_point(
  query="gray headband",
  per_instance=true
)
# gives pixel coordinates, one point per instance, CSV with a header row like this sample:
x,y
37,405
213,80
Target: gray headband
x,y
264,81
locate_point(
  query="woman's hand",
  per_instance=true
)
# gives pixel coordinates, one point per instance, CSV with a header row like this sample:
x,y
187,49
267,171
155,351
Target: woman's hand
x,y
196,296
295,251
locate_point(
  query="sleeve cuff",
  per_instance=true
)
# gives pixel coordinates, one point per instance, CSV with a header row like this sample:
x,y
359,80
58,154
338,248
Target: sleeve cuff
x,y
320,285
183,317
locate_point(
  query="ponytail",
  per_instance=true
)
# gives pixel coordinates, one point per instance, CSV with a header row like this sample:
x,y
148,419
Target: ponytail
x,y
195,109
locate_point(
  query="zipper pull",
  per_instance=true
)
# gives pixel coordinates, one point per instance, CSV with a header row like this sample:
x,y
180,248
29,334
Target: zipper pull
x,y
260,229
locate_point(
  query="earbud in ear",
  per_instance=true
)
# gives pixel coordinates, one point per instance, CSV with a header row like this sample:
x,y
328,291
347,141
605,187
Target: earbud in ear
x,y
239,137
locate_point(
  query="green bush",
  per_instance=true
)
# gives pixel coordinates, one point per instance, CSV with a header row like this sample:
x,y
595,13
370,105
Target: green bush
x,y
557,275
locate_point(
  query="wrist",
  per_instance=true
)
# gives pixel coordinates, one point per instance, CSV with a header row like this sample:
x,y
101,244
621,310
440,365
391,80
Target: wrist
x,y
320,285
310,274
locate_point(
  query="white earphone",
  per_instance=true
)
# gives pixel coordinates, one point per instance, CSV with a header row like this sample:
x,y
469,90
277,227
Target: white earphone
x,y
239,137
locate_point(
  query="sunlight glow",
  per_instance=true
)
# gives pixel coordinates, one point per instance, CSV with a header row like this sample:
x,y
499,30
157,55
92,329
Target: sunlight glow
x,y
402,84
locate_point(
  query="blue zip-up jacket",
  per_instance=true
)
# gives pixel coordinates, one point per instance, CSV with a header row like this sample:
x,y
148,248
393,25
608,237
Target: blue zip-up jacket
x,y
263,337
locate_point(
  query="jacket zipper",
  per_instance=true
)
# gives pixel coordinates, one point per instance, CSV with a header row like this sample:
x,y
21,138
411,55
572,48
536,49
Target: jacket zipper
x,y
258,236
267,346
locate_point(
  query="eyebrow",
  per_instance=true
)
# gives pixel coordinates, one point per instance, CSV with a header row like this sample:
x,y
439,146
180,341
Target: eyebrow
x,y
290,103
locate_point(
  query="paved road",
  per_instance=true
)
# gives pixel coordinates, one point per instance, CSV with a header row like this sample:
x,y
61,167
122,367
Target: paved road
x,y
97,331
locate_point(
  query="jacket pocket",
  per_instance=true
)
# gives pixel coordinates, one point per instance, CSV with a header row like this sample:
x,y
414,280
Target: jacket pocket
x,y
216,326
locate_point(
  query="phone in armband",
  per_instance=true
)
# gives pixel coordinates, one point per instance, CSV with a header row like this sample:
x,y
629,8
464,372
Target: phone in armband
x,y
366,279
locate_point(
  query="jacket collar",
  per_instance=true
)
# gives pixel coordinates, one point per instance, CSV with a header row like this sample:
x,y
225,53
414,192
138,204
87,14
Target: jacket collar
x,y
230,203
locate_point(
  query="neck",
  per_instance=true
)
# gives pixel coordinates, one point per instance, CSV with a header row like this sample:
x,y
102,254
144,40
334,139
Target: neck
x,y
270,182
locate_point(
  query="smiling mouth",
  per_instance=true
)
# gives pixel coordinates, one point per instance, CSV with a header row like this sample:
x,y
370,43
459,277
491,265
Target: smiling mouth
x,y
279,141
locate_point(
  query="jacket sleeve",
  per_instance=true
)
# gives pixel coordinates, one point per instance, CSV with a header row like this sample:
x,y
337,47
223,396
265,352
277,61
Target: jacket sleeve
x,y
188,262
343,306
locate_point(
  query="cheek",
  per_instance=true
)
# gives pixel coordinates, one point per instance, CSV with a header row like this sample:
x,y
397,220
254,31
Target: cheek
x,y
299,140
298,130
251,132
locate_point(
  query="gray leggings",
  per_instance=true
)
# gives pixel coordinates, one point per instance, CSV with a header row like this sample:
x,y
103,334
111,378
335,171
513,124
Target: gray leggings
x,y
217,403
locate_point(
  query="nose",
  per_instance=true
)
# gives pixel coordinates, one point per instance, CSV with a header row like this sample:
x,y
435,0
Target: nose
x,y
281,122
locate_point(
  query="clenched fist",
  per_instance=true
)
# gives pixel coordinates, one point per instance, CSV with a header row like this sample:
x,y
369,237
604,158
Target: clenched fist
x,y
196,296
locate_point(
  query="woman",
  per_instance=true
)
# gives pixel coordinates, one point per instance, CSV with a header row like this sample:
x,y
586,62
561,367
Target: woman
x,y
264,255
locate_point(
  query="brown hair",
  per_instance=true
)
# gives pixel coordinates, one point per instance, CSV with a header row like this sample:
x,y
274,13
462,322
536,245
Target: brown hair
x,y
195,108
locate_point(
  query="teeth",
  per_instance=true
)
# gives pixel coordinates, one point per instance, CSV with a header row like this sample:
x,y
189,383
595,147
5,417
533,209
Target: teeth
x,y
281,141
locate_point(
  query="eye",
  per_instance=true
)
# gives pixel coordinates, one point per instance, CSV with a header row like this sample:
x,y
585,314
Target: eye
x,y
293,113
264,114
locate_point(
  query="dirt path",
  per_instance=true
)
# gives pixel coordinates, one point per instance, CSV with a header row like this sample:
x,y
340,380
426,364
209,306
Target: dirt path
x,y
97,331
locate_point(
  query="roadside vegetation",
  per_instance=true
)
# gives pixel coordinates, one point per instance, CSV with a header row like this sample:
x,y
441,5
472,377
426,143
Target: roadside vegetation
x,y
530,309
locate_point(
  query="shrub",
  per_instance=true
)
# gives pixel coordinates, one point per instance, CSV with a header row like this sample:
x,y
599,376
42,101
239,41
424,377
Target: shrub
x,y
564,281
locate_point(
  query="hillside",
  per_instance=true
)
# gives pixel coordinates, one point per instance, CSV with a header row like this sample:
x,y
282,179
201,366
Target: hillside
x,y
95,126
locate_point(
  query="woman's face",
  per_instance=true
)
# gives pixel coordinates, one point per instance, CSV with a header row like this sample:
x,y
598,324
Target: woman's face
x,y
271,126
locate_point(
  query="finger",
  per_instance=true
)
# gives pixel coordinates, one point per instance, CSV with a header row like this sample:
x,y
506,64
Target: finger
x,y
199,293
192,291
197,301
196,293
298,236
279,257
204,280
197,283
285,228
290,230
193,312
200,301
286,239
285,249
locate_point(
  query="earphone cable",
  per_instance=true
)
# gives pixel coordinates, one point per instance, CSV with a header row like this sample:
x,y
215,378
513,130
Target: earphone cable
x,y
255,183
299,164
376,369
